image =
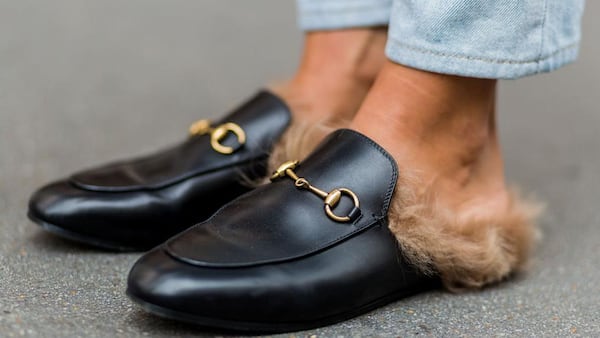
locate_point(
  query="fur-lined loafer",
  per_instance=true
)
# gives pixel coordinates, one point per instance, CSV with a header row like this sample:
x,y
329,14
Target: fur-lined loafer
x,y
138,204
309,249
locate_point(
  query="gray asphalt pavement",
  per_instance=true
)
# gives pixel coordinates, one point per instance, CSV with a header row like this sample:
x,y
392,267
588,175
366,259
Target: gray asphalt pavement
x,y
86,81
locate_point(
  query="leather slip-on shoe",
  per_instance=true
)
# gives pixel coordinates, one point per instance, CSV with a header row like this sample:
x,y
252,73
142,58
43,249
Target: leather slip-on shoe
x,y
138,204
309,249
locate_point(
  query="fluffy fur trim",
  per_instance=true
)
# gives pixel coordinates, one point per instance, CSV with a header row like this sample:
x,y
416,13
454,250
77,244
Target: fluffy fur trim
x,y
482,244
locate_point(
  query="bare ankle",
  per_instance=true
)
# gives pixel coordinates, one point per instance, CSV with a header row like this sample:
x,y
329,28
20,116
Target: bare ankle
x,y
439,126
336,71
451,213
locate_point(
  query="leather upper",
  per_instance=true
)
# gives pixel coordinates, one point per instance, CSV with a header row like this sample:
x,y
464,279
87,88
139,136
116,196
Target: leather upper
x,y
262,118
279,210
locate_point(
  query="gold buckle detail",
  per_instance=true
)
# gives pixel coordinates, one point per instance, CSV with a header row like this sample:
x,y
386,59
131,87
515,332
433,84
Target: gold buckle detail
x,y
218,133
330,199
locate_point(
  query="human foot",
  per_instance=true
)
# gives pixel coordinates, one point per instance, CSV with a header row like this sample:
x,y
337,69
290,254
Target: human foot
x,y
452,211
336,71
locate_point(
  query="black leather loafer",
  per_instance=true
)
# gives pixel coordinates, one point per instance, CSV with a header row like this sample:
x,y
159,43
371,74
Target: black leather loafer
x,y
310,249
138,204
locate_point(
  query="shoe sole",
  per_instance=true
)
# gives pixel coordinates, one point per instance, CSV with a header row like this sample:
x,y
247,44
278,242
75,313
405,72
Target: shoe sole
x,y
265,327
83,239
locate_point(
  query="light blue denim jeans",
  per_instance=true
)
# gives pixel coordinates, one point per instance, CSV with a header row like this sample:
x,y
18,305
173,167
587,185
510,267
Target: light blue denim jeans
x,y
475,38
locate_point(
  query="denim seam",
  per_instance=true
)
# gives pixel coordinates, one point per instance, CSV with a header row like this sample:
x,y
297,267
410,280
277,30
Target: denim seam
x,y
483,59
544,18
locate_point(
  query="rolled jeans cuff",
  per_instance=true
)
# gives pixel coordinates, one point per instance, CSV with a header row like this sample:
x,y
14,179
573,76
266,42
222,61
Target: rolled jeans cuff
x,y
500,39
339,14
476,66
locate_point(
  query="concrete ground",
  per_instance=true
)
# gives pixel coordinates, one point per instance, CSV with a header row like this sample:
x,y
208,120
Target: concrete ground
x,y
86,81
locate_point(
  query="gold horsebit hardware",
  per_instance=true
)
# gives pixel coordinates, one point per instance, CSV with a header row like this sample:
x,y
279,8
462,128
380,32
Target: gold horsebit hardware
x,y
331,198
218,133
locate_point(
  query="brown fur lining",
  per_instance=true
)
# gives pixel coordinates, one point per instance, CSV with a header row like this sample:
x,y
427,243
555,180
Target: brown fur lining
x,y
479,246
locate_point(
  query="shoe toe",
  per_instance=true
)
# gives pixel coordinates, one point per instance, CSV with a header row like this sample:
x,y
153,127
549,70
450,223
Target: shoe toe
x,y
165,285
212,297
87,217
54,203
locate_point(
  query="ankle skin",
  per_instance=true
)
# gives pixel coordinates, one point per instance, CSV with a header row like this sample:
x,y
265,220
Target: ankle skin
x,y
438,125
336,71
452,214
